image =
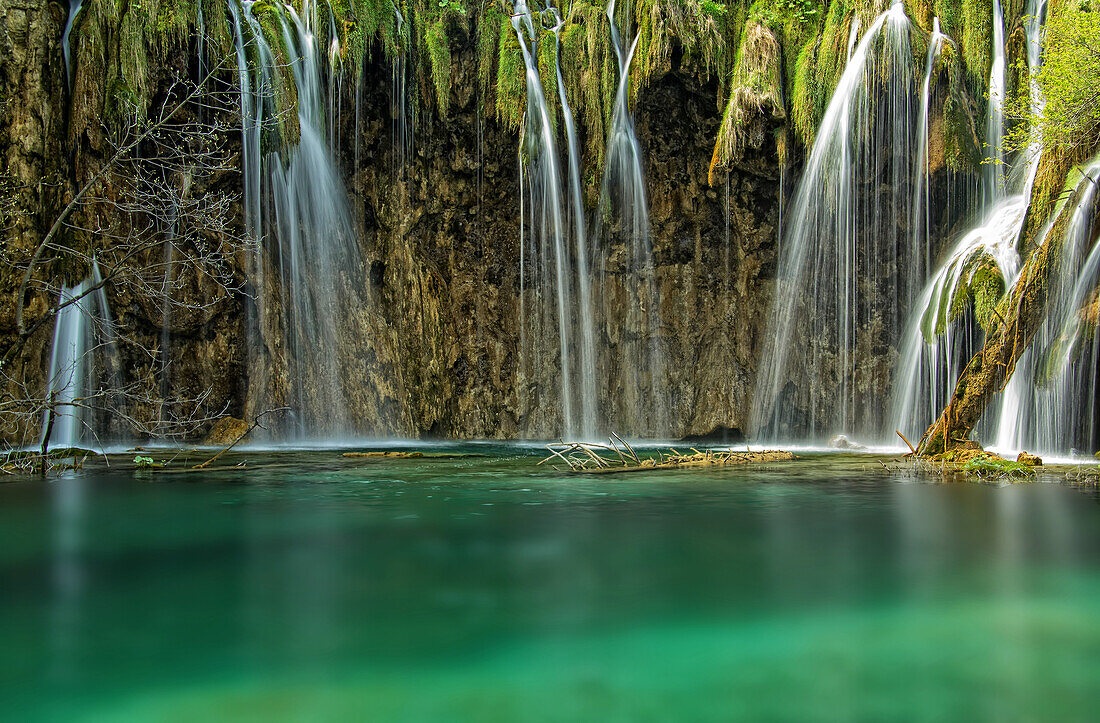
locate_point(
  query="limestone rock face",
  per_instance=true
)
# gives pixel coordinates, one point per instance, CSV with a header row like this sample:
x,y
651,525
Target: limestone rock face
x,y
437,340
31,169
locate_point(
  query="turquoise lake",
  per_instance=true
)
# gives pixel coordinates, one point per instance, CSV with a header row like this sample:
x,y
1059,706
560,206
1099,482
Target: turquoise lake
x,y
486,588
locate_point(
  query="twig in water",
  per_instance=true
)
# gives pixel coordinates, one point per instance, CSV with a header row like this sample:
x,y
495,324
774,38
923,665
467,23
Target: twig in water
x,y
255,423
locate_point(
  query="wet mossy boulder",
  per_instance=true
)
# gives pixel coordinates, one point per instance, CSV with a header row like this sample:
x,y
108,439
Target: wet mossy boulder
x,y
226,430
1030,460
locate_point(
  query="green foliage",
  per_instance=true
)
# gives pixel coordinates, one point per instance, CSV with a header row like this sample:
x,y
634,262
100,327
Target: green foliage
x,y
1069,80
713,9
821,59
511,86
149,463
707,36
778,13
970,24
701,33
363,25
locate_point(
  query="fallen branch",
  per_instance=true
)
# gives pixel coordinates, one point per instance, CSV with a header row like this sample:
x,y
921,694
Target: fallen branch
x,y
256,422
586,457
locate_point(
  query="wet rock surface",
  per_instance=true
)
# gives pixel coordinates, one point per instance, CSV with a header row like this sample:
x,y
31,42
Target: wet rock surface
x,y
434,348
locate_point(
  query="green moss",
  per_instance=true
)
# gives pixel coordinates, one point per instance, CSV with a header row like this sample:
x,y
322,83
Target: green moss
x,y
991,466
708,38
364,25
511,87
489,27
805,115
757,92
439,54
982,289
822,56
970,24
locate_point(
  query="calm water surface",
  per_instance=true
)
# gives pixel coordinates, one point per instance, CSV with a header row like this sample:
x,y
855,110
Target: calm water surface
x,y
487,589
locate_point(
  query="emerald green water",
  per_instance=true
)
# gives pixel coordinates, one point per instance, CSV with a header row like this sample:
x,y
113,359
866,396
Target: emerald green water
x,y
486,589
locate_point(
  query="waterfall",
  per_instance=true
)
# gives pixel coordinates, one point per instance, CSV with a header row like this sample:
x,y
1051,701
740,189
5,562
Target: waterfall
x,y
847,270
1021,181
546,246
66,49
1049,404
304,276
585,321
936,346
83,335
922,202
853,36
925,368
631,300
401,112
994,172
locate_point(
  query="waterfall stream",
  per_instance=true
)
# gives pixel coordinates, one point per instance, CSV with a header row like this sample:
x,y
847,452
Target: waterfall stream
x,y
937,345
833,306
994,171
66,49
83,339
1049,405
546,245
296,205
586,331
922,201
634,360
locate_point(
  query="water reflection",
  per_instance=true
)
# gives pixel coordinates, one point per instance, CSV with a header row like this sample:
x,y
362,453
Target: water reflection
x,y
473,588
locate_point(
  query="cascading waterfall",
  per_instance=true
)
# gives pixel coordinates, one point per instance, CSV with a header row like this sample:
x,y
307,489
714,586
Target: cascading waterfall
x,y
585,322
66,50
83,338
847,270
922,201
937,344
1054,408
1021,181
928,368
545,246
994,173
631,303
296,203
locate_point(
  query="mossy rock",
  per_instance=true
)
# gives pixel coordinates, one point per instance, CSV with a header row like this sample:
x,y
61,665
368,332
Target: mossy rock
x,y
1030,460
990,465
226,431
